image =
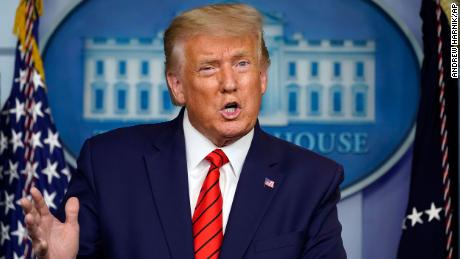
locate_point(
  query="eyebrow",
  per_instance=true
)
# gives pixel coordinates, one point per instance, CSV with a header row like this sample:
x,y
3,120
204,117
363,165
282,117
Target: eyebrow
x,y
240,54
208,61
211,60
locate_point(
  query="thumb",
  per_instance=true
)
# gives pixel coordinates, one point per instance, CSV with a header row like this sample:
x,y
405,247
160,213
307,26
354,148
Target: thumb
x,y
71,211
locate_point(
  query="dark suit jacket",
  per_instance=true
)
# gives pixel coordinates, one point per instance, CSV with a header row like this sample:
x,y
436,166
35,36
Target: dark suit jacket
x,y
134,200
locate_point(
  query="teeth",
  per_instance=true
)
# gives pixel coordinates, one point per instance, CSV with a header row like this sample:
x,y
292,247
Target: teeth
x,y
230,110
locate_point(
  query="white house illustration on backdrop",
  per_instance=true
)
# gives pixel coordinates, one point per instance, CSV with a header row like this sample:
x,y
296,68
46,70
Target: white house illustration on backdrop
x,y
319,81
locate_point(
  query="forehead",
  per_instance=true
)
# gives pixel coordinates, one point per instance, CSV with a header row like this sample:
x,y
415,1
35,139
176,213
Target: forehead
x,y
205,46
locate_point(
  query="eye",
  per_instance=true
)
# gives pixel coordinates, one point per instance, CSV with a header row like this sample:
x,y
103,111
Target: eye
x,y
243,63
205,68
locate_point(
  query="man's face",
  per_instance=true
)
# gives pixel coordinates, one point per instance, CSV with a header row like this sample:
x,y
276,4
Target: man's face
x,y
221,82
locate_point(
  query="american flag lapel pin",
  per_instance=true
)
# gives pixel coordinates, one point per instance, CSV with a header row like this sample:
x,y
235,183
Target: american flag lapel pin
x,y
269,183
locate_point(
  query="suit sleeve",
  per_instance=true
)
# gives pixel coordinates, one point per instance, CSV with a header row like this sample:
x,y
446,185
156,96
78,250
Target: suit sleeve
x,y
83,187
324,234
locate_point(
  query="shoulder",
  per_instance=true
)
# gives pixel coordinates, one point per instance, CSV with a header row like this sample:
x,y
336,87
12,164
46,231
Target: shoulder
x,y
139,137
292,153
299,163
142,132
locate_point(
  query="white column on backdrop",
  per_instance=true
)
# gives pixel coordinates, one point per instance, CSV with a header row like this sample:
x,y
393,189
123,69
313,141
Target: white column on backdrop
x,y
350,216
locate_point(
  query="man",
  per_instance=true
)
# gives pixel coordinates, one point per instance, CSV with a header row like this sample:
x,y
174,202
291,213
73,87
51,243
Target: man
x,y
208,184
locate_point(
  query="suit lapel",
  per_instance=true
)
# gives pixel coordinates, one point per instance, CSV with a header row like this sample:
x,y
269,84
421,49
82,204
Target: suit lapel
x,y
252,197
167,171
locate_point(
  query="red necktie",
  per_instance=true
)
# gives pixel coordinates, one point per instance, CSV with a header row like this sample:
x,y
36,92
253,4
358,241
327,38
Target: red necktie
x,y
207,218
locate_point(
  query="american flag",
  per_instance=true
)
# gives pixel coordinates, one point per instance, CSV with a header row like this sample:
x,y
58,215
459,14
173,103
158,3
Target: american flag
x,y
430,227
30,151
269,183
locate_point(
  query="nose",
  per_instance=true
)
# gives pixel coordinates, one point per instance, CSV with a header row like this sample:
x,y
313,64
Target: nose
x,y
228,79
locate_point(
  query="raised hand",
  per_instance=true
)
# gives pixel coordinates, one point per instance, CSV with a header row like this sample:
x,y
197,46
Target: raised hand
x,y
51,239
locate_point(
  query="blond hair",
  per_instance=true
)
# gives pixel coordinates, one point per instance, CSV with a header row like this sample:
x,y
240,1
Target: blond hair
x,y
216,19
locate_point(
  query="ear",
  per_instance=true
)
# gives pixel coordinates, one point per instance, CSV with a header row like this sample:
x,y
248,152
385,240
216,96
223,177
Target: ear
x,y
263,80
176,88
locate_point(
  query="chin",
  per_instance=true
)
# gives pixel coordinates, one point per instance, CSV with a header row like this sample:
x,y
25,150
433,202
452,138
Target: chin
x,y
234,132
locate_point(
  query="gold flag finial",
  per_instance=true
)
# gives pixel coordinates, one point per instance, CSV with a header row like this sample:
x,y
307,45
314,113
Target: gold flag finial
x,y
445,6
20,29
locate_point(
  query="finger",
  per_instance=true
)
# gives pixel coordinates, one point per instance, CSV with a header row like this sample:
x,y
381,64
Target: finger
x,y
39,201
30,211
32,227
71,211
40,248
31,219
26,205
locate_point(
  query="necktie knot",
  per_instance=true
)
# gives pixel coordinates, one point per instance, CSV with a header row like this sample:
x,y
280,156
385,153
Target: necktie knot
x,y
217,158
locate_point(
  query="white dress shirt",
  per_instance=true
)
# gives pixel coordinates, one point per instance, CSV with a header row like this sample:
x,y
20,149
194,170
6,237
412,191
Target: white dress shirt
x,y
197,147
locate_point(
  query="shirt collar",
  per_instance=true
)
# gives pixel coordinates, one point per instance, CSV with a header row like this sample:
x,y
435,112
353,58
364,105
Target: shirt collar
x,y
198,147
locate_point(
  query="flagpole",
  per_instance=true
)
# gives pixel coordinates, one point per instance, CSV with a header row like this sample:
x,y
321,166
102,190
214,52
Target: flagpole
x,y
30,150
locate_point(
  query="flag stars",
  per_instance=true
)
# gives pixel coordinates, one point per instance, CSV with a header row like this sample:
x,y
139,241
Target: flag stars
x,y
50,171
52,140
433,212
419,216
37,111
415,217
36,140
18,110
3,143
12,171
9,203
20,233
15,256
21,79
66,172
5,233
30,171
49,199
404,224
38,82
16,140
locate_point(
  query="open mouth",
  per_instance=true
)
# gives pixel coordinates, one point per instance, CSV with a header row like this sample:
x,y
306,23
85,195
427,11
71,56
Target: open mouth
x,y
231,107
231,110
